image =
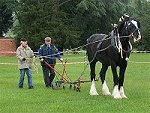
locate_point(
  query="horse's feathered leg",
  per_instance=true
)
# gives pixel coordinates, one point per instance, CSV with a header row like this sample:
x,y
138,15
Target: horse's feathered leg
x,y
122,92
121,79
103,72
115,93
92,67
121,73
93,90
115,75
105,88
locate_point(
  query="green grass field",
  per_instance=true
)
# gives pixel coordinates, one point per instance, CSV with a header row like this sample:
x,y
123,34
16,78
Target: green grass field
x,y
45,100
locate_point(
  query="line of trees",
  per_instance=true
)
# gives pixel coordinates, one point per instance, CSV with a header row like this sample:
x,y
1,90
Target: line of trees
x,y
71,22
6,19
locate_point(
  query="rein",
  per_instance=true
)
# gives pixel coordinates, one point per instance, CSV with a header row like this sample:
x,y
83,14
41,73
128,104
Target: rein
x,y
104,39
131,35
79,47
134,31
129,49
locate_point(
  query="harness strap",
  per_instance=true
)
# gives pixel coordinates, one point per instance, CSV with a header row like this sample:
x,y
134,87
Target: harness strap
x,y
100,43
115,41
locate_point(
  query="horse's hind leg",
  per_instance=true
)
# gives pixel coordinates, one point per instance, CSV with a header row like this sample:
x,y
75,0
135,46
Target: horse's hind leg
x,y
92,67
93,75
105,88
103,72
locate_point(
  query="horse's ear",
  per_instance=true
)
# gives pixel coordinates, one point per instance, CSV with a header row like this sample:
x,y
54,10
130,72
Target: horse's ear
x,y
125,17
121,19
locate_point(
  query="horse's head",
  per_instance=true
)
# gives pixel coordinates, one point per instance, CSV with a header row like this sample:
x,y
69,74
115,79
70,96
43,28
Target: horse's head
x,y
130,27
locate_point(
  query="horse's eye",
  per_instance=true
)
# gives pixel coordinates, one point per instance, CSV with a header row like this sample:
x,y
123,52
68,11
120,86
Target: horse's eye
x,y
131,27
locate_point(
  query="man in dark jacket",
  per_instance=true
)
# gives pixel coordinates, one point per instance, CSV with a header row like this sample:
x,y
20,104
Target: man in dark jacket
x,y
48,53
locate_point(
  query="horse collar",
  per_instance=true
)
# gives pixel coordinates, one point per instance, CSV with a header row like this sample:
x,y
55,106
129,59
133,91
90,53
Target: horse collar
x,y
115,41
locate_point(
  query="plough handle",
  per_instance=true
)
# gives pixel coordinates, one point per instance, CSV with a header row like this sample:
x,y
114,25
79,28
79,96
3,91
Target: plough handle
x,y
56,71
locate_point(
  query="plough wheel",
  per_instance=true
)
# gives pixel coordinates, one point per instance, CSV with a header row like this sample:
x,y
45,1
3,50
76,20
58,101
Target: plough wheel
x,y
53,87
78,89
74,87
63,87
70,86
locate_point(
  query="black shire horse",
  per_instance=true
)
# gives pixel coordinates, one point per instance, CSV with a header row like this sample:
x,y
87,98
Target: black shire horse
x,y
112,50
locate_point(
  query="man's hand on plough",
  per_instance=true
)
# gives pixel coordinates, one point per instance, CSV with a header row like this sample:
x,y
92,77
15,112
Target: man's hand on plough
x,y
61,60
42,59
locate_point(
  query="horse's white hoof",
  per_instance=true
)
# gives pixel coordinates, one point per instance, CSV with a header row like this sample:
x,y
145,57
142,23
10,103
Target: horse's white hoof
x,y
93,93
105,89
117,96
122,93
93,89
116,93
106,93
123,96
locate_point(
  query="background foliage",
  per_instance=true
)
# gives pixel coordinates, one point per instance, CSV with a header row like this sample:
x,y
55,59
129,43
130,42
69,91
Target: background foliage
x,y
6,19
144,17
71,22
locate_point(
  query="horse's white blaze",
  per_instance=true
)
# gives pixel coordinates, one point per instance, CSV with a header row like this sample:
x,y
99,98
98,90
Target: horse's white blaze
x,y
122,93
116,93
136,25
93,89
105,89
